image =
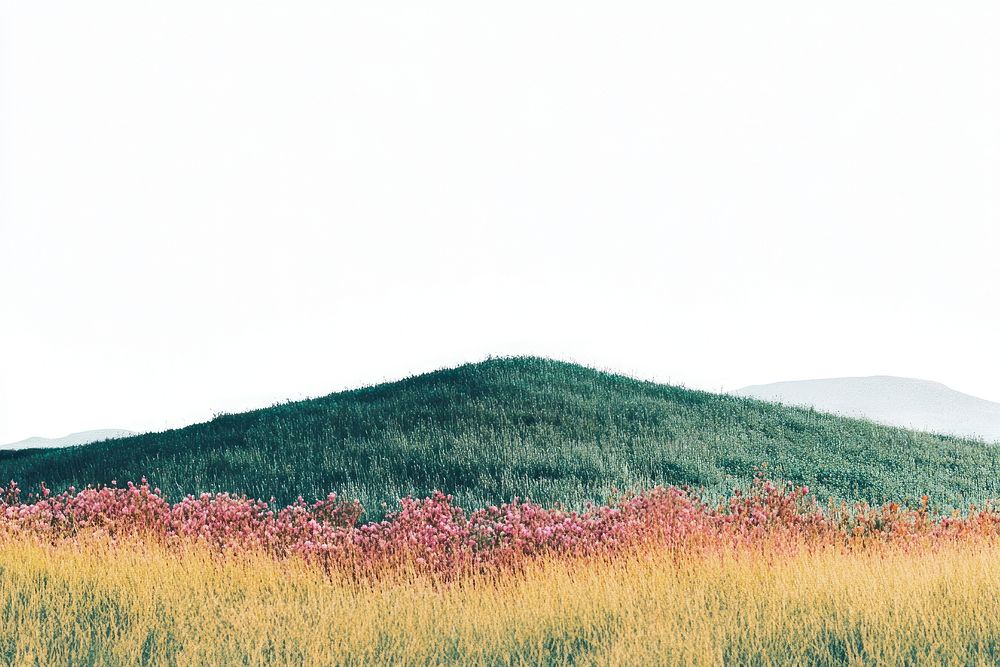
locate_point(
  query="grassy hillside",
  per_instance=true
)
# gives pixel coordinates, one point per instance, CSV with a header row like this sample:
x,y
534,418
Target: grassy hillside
x,y
552,431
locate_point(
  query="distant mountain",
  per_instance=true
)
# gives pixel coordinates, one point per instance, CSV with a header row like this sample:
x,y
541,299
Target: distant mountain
x,y
896,401
81,438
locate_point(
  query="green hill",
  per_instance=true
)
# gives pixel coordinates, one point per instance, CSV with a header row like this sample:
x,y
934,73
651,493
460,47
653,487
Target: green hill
x,y
553,431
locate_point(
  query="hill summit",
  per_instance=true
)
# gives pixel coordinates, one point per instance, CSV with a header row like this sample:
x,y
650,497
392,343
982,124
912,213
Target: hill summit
x,y
552,431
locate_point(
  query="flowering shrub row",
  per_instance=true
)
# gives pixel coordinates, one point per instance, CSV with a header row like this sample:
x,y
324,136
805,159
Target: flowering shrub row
x,y
434,534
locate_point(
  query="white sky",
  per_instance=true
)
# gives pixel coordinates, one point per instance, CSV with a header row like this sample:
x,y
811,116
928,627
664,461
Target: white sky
x,y
210,206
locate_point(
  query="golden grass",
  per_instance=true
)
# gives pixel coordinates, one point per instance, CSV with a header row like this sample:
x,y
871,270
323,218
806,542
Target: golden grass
x,y
91,604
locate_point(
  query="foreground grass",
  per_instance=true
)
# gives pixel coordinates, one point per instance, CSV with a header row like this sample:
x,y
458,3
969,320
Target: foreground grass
x,y
90,604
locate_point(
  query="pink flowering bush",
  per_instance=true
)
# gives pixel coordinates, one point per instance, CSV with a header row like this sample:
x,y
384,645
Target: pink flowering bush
x,y
434,535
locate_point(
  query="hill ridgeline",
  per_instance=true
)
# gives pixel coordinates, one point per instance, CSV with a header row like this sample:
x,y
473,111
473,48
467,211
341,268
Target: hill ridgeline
x,y
551,431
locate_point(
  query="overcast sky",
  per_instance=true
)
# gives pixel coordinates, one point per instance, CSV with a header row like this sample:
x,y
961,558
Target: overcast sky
x,y
212,206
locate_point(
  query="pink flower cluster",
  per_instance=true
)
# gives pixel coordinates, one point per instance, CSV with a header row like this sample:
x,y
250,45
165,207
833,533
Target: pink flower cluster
x,y
435,535
221,520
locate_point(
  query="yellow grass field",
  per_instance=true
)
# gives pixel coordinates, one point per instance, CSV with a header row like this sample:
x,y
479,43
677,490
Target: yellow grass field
x,y
92,604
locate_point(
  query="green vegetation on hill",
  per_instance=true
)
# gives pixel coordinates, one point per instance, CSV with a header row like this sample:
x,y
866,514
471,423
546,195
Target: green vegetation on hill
x,y
552,431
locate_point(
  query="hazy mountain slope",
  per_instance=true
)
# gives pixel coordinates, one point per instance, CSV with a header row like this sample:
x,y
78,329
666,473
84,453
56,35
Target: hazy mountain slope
x,y
553,431
905,402
71,440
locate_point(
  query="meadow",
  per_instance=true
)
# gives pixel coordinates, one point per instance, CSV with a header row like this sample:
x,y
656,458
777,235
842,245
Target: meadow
x,y
89,604
555,432
512,512
769,577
